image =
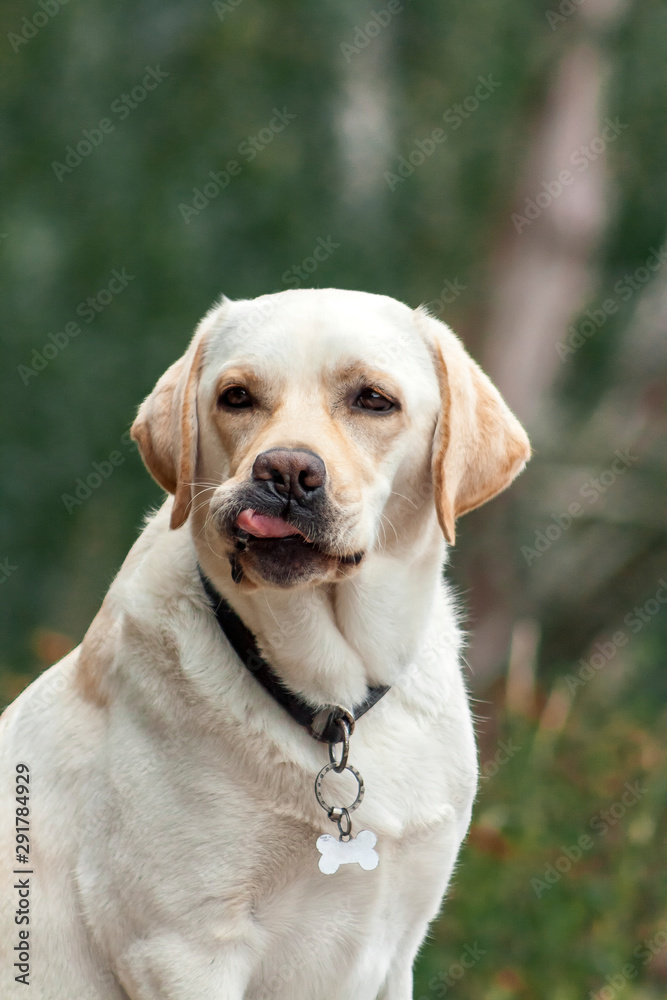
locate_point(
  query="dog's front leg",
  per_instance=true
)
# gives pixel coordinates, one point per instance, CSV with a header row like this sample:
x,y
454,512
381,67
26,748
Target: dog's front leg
x,y
398,985
168,967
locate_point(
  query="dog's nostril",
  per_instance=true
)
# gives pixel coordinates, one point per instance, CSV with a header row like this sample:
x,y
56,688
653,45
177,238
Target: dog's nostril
x,y
311,478
293,472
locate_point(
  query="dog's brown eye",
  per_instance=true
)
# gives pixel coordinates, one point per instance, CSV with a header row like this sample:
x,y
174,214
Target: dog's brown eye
x,y
371,399
235,397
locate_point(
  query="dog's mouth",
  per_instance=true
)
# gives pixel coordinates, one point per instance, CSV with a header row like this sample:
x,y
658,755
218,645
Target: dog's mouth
x,y
263,526
279,551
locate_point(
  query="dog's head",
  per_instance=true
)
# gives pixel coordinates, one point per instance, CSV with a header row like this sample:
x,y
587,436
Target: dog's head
x,y
302,430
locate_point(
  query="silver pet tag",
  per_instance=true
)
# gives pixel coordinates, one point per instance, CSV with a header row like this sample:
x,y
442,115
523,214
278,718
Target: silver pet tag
x,y
357,850
346,849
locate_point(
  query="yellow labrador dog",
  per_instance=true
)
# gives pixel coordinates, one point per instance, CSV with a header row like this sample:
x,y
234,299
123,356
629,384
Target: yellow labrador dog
x,y
252,778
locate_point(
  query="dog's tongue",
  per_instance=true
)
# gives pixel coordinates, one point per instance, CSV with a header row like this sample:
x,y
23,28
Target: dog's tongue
x,y
263,526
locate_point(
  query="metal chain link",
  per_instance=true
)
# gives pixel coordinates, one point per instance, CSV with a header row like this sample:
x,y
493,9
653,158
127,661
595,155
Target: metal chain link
x,y
340,765
340,814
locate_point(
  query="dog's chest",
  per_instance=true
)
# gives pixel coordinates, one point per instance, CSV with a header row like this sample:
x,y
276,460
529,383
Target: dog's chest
x,y
240,859
336,936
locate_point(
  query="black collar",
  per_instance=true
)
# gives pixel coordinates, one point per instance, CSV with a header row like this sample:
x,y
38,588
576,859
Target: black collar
x,y
322,725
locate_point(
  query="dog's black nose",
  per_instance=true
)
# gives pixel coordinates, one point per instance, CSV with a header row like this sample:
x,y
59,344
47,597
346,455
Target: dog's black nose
x,y
293,473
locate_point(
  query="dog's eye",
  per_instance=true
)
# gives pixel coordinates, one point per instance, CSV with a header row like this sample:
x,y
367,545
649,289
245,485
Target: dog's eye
x,y
235,397
372,399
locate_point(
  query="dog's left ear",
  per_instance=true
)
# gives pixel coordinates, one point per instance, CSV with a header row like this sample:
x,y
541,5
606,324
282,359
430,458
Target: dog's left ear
x,y
479,446
166,430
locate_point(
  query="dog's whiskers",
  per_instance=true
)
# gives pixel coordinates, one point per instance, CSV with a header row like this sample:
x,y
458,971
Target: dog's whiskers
x,y
385,518
395,493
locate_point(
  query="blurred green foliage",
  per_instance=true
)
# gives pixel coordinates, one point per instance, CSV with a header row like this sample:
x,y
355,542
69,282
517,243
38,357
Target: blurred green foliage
x,y
560,890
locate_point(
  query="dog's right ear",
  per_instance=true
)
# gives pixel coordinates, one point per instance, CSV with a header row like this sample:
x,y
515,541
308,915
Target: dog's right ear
x,y
166,430
153,429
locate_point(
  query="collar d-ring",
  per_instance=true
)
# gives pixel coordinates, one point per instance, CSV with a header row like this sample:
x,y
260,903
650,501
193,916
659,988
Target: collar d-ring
x,y
340,765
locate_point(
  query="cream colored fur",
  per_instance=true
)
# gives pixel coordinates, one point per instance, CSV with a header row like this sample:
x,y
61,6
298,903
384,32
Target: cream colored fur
x,y
173,818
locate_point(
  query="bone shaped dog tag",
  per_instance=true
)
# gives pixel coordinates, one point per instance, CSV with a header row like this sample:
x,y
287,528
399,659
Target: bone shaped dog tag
x,y
358,850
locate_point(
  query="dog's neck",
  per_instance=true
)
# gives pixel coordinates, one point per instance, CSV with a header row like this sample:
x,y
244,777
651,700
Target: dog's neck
x,y
330,642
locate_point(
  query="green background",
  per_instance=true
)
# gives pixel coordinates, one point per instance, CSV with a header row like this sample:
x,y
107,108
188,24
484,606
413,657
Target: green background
x,y
368,85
